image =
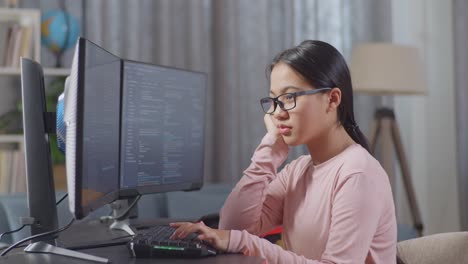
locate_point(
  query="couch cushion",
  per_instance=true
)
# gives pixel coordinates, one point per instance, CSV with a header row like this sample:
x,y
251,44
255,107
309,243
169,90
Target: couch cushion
x,y
435,249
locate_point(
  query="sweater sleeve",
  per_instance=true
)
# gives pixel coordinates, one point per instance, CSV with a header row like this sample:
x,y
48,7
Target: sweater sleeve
x,y
357,206
355,216
256,203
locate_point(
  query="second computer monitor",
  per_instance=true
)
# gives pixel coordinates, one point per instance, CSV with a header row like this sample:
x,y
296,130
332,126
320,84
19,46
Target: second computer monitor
x,y
163,120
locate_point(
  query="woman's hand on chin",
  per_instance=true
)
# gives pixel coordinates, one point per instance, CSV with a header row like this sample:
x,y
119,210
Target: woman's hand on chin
x,y
270,126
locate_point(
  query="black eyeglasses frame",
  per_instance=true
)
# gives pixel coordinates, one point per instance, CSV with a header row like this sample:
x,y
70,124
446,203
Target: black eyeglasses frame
x,y
277,102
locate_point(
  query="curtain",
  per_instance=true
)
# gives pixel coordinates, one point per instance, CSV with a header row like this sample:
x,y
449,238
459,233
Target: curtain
x,y
460,21
234,42
246,37
343,24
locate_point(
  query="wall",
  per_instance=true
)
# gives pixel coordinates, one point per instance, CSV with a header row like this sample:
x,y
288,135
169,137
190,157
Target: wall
x,y
428,122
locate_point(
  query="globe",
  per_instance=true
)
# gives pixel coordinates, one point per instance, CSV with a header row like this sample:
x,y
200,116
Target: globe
x,y
54,30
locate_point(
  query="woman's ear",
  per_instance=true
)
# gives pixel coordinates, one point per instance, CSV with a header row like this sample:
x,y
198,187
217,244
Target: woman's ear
x,y
334,99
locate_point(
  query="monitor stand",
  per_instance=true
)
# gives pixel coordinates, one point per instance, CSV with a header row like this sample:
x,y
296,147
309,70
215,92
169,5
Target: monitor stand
x,y
122,211
42,247
120,207
102,232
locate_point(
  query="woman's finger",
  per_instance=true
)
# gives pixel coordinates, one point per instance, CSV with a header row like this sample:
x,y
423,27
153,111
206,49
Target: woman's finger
x,y
177,224
195,228
181,226
185,229
216,238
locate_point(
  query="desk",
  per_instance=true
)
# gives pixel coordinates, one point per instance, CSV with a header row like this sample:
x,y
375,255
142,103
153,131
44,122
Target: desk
x,y
78,233
121,255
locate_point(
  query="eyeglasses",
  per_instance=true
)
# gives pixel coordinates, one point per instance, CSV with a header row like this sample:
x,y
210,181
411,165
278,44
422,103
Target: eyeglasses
x,y
285,101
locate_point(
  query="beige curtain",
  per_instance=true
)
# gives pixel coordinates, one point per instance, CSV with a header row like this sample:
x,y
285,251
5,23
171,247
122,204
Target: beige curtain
x,y
460,21
344,23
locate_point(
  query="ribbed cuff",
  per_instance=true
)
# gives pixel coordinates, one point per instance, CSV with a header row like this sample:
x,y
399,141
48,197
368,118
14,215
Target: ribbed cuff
x,y
234,241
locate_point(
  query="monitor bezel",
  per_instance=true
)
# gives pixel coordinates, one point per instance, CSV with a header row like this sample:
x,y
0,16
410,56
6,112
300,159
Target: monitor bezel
x,y
81,210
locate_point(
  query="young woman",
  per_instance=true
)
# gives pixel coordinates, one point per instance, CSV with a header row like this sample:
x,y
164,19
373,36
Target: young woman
x,y
335,205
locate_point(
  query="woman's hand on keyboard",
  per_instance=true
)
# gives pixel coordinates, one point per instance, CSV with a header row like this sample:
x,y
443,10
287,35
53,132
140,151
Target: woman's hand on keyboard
x,y
219,239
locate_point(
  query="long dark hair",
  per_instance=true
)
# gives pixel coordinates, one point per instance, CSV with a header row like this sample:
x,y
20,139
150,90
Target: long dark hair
x,y
323,66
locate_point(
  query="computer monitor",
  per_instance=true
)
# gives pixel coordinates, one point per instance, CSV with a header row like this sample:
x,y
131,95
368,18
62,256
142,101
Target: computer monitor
x,y
37,124
92,117
39,173
132,128
162,135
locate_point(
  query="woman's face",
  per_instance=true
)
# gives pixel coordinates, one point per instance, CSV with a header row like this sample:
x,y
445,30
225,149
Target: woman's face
x,y
310,118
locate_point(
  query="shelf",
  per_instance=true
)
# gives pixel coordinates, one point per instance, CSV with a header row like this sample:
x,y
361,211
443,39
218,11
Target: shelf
x,y
11,138
56,72
29,18
13,13
47,71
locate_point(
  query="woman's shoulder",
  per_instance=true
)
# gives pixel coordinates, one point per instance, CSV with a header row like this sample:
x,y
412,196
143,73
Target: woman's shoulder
x,y
359,161
301,162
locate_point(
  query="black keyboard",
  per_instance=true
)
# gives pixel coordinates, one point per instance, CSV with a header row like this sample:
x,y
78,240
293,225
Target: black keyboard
x,y
155,243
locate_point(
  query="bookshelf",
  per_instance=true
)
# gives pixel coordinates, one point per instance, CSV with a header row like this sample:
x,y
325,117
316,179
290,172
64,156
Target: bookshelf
x,y
20,36
24,25
28,23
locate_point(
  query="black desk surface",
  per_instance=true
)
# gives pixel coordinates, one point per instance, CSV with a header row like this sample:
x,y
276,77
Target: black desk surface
x,y
79,233
121,255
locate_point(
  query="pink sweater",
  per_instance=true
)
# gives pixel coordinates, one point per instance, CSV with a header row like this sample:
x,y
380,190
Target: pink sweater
x,y
340,211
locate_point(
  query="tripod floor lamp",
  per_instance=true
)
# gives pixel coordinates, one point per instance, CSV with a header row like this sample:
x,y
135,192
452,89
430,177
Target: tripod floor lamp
x,y
390,69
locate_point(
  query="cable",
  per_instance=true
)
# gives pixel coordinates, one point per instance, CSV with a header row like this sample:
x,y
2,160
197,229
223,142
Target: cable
x,y
17,244
61,199
11,232
19,229
130,207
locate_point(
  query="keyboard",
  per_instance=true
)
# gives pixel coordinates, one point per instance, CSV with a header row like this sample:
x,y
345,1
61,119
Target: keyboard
x,y
155,243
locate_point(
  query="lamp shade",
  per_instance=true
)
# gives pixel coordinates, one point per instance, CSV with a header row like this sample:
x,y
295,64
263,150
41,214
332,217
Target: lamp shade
x,y
387,68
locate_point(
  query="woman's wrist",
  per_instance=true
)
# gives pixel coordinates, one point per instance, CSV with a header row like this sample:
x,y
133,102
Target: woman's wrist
x,y
225,238
233,242
273,138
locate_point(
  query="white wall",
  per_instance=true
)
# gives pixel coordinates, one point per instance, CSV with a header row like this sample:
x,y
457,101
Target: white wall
x,y
427,123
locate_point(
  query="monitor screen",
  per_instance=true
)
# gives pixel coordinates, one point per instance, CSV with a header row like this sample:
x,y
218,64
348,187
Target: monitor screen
x,y
163,124
132,128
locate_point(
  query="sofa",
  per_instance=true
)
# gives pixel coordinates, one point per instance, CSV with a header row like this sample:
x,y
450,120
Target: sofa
x,y
435,249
